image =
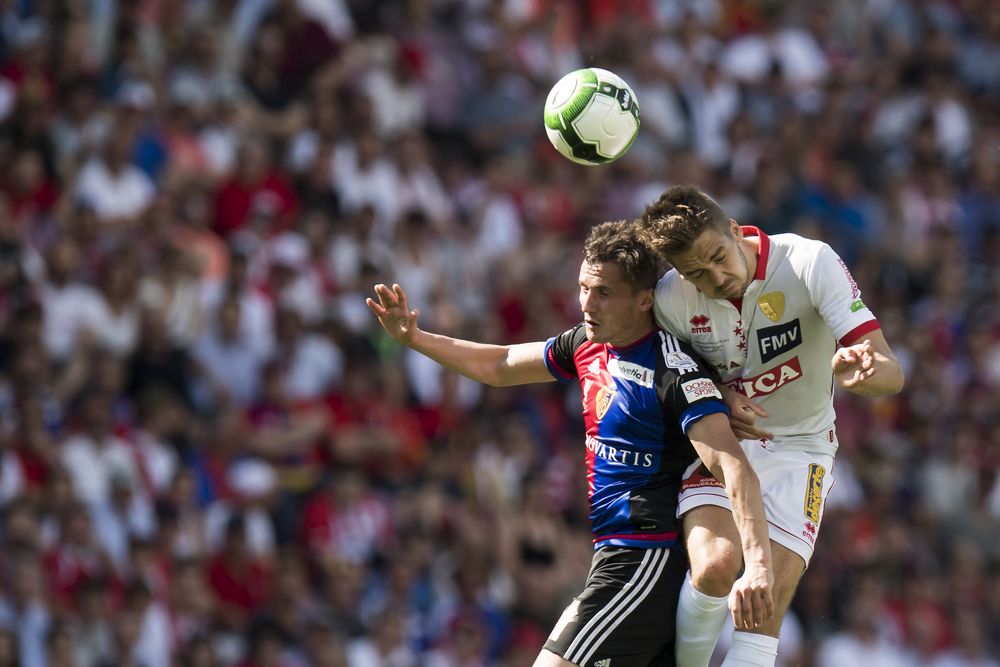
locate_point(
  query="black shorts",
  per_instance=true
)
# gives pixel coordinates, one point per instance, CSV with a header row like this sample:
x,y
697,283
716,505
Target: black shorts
x,y
625,615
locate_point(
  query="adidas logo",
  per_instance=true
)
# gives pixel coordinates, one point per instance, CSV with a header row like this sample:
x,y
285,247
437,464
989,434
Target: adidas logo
x,y
603,663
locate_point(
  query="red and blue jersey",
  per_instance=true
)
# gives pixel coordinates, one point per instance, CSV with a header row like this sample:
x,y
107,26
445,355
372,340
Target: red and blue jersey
x,y
638,402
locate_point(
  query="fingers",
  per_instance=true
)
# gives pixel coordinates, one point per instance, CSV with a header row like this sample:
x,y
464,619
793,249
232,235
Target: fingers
x,y
745,431
400,297
375,307
757,409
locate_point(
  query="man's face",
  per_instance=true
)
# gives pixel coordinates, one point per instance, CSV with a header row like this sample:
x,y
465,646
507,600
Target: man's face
x,y
612,312
715,264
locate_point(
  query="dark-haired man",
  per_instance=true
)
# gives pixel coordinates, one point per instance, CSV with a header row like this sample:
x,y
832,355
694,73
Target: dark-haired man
x,y
768,315
649,406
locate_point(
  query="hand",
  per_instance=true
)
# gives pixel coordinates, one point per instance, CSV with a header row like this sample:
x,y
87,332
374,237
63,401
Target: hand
x,y
751,602
743,414
854,364
393,313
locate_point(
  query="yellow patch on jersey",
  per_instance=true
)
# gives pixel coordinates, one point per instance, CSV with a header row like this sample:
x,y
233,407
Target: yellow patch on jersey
x,y
602,402
814,492
772,304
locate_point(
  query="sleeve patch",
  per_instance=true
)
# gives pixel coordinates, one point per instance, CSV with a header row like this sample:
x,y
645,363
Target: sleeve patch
x,y
680,361
696,390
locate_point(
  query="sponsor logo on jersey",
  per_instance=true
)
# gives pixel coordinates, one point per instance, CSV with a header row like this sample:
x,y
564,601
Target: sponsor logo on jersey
x,y
700,324
771,381
680,361
626,370
814,492
855,290
772,305
619,455
857,305
603,663
772,341
605,395
695,390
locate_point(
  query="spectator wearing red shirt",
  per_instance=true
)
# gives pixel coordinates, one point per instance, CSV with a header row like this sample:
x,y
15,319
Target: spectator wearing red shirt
x,y
240,581
256,193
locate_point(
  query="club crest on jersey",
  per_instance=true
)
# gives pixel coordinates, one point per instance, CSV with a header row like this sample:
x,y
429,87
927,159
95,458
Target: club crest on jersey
x,y
772,305
605,395
700,324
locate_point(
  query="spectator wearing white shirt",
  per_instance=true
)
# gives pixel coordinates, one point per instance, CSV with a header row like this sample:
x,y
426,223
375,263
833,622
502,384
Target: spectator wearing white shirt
x,y
116,327
118,190
314,364
228,356
861,643
71,308
94,454
970,644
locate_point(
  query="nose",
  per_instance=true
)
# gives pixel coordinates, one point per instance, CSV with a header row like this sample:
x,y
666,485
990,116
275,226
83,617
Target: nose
x,y
718,277
585,301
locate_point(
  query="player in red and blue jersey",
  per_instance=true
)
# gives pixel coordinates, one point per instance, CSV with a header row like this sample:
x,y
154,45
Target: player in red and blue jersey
x,y
650,408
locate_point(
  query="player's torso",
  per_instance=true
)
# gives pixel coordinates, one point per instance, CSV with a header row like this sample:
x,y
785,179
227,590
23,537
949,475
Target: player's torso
x,y
634,455
774,346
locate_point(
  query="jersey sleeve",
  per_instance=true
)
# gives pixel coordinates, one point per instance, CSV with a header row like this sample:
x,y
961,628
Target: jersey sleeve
x,y
560,350
837,297
684,384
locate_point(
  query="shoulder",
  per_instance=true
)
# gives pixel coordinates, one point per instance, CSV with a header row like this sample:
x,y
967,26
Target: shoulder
x,y
801,253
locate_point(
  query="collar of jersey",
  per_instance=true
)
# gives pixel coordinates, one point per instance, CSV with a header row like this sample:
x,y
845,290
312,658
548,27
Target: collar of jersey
x,y
763,250
631,346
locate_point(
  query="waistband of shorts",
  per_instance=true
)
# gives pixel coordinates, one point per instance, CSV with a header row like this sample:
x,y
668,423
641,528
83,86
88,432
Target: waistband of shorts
x,y
823,442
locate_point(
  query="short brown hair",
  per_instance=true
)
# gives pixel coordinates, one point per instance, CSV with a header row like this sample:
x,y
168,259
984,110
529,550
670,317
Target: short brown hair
x,y
620,243
673,222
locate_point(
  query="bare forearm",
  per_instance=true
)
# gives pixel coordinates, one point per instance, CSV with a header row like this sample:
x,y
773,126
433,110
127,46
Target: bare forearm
x,y
743,489
478,361
887,379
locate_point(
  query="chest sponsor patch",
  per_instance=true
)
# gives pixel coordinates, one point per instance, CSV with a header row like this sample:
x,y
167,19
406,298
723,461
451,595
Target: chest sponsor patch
x,y
772,341
769,381
695,390
626,370
680,361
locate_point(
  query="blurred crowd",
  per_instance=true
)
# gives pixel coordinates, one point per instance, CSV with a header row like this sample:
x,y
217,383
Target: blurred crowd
x,y
211,456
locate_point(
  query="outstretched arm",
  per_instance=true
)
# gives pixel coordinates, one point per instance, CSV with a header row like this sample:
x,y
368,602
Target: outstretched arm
x,y
751,600
497,365
868,368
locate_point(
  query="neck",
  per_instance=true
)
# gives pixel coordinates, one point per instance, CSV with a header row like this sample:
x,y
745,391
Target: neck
x,y
749,247
637,334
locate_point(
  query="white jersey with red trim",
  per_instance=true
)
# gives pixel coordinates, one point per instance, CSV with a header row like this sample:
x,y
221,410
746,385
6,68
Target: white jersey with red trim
x,y
775,344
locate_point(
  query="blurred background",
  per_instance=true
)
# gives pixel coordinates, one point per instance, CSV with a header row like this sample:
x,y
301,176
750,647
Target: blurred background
x,y
211,456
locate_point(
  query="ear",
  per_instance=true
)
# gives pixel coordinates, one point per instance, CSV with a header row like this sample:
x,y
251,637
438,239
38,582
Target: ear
x,y
735,229
646,299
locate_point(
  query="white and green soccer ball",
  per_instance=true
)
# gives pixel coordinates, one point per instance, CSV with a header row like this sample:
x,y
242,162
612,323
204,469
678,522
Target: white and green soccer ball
x,y
591,116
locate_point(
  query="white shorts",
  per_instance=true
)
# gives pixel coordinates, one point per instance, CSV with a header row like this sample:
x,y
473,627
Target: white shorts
x,y
793,483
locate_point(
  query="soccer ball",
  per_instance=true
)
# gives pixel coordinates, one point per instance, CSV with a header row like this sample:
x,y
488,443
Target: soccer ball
x,y
591,116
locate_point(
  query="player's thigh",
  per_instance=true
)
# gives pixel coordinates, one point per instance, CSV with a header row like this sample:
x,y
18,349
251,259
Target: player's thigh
x,y
625,615
713,545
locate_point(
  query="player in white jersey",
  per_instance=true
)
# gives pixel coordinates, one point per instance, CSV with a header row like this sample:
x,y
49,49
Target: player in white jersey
x,y
780,319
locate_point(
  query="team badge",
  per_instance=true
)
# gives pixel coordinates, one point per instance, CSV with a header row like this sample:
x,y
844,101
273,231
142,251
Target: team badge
x,y
772,304
814,492
602,402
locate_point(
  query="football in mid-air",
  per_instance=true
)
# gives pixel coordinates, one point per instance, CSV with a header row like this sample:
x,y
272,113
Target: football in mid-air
x,y
591,116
